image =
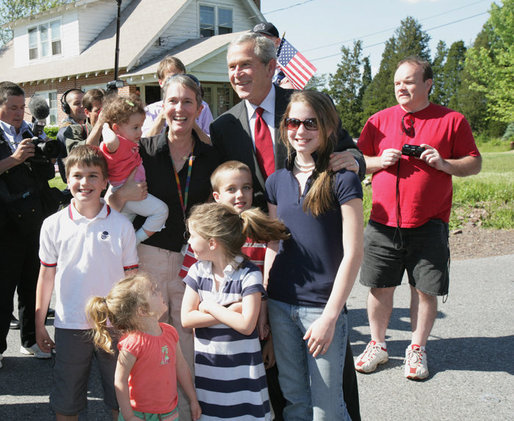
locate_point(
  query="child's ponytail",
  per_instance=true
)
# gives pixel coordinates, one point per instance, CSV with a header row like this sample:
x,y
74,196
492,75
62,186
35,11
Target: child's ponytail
x,y
223,223
260,227
121,307
98,314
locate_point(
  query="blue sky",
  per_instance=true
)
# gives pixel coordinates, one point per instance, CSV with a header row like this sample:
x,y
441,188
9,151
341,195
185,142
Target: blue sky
x,y
318,28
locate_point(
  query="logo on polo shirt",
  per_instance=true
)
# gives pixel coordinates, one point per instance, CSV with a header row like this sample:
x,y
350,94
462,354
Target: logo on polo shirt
x,y
104,235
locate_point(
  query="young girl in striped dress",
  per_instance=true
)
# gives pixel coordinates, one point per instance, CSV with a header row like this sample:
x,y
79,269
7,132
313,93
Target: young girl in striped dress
x,y
221,302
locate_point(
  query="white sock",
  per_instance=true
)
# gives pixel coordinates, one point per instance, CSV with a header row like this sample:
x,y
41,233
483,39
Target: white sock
x,y
141,235
382,344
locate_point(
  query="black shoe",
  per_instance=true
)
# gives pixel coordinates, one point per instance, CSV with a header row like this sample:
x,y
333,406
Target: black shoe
x,y
50,312
15,324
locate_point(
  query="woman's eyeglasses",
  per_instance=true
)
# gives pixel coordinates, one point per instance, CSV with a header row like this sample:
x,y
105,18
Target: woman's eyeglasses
x,y
309,123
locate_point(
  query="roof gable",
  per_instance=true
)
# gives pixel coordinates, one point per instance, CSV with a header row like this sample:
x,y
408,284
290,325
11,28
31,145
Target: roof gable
x,y
141,24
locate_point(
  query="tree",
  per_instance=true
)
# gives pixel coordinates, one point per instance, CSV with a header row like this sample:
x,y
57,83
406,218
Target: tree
x,y
317,83
471,103
452,73
438,88
12,10
409,39
491,68
380,94
345,88
366,77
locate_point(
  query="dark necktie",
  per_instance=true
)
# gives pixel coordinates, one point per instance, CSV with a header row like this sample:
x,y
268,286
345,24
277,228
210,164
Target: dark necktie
x,y
263,145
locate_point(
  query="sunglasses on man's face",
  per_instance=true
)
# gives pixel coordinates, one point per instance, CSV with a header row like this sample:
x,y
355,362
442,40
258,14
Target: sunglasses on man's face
x,y
309,123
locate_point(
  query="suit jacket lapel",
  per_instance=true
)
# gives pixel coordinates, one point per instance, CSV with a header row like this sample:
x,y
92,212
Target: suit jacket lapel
x,y
246,144
281,101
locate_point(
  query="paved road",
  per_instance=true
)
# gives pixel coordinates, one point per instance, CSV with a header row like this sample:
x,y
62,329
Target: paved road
x,y
470,357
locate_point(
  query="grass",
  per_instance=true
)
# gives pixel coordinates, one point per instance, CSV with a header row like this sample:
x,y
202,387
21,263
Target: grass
x,y
486,144
57,182
485,199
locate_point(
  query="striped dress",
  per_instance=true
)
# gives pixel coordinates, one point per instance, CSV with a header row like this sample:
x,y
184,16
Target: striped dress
x,y
230,378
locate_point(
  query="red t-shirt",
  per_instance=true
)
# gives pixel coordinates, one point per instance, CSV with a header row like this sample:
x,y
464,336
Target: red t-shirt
x,y
153,378
424,192
254,251
122,162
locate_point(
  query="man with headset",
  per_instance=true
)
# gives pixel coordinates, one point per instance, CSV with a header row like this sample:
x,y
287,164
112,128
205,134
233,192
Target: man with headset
x,y
71,104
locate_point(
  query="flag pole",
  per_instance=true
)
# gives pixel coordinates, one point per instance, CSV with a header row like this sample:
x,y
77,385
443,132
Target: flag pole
x,y
281,42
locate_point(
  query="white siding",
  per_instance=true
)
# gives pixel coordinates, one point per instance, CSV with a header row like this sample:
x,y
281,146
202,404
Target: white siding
x,y
95,18
21,46
79,27
212,70
69,40
70,34
186,25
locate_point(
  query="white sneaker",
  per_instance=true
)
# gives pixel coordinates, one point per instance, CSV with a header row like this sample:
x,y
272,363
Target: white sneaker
x,y
36,352
416,366
372,356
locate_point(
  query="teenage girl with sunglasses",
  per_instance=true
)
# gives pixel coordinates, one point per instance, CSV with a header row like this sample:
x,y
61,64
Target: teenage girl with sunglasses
x,y
309,276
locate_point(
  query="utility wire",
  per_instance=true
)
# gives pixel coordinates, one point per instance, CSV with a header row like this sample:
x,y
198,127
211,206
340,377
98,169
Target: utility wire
x,y
281,9
388,29
426,30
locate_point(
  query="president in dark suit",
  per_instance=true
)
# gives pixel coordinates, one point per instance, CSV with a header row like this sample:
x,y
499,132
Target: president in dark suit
x,y
251,61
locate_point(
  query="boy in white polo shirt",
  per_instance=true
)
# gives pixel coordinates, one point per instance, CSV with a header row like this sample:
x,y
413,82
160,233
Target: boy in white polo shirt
x,y
84,250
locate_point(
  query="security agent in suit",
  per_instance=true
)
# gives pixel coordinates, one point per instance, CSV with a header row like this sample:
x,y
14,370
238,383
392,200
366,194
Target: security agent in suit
x,y
23,183
251,60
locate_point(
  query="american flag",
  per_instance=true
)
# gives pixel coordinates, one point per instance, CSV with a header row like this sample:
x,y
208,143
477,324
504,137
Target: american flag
x,y
295,66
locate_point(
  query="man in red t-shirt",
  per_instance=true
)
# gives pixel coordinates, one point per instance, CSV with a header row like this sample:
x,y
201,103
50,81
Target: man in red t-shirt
x,y
412,198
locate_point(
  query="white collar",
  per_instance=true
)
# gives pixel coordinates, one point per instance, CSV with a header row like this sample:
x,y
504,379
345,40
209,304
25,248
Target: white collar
x,y
75,215
268,104
229,269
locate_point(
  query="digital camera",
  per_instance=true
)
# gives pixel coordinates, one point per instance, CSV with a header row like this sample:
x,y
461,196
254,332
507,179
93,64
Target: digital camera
x,y
45,149
412,150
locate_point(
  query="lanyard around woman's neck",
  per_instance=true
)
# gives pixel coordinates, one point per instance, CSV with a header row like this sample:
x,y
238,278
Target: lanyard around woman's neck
x,y
185,197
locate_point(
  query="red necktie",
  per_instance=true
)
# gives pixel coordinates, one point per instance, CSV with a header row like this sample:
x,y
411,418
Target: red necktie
x,y
264,145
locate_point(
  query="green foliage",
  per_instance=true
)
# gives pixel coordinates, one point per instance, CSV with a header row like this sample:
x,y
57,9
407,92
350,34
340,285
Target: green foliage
x,y
366,76
487,143
57,182
366,199
408,40
486,198
12,10
345,88
51,131
491,64
438,93
380,93
317,83
452,72
509,132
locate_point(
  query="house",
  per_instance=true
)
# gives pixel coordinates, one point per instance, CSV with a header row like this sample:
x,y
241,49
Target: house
x,y
73,46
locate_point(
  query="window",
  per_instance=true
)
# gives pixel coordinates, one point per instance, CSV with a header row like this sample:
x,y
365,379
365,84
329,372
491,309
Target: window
x,y
224,21
45,40
206,21
215,21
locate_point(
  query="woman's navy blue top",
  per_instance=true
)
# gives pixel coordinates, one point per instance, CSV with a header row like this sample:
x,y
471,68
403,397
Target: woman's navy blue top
x,y
306,264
